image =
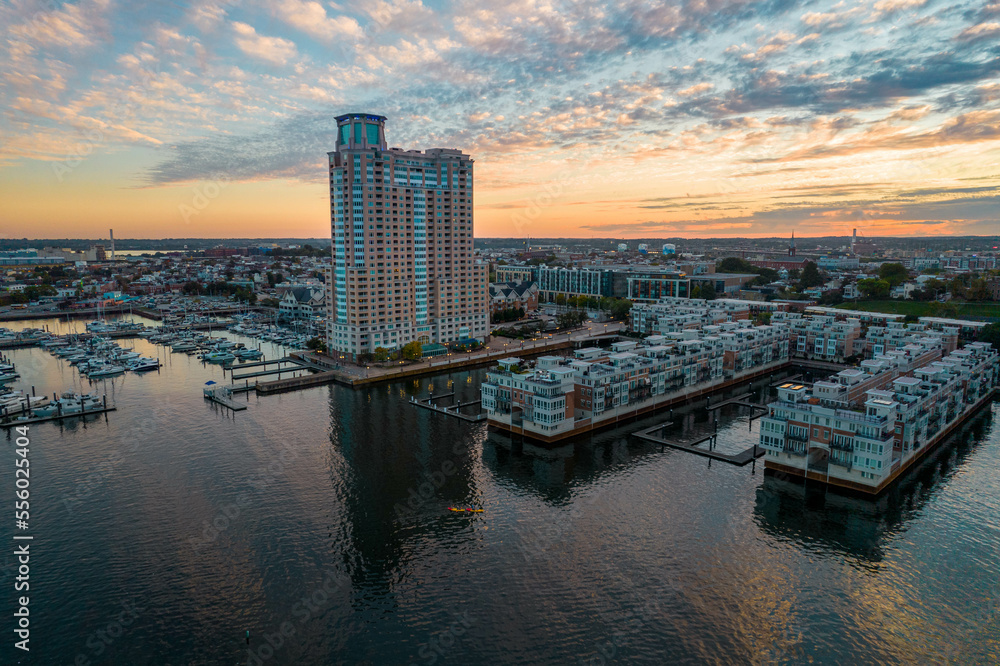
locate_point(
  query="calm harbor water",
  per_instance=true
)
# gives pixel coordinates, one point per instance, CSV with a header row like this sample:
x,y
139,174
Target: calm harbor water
x,y
317,521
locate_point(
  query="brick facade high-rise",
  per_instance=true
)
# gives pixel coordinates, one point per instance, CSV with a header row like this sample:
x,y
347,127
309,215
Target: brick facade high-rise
x,y
403,262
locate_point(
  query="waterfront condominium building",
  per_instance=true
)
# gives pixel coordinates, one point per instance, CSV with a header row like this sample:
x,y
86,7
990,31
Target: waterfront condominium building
x,y
560,397
835,434
403,265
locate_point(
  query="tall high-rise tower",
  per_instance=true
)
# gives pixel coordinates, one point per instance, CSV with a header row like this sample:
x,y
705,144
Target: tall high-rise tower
x,y
403,263
791,245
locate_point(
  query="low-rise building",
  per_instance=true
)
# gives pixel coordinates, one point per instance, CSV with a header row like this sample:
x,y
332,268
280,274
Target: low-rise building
x,y
819,337
897,334
302,303
507,295
831,435
561,396
516,273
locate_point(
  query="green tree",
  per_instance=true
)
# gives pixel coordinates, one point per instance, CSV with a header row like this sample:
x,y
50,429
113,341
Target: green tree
x,y
560,299
991,334
834,297
957,287
893,273
735,265
316,344
381,354
708,291
947,310
620,308
979,290
412,351
872,288
570,319
810,276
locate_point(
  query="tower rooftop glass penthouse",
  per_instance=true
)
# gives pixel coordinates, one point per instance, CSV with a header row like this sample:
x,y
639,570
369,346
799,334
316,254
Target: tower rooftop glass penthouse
x,y
403,265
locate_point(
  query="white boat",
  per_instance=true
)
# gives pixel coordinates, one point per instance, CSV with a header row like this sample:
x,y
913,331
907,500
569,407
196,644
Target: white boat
x,y
14,403
106,371
69,403
184,346
8,377
248,354
219,357
63,352
144,364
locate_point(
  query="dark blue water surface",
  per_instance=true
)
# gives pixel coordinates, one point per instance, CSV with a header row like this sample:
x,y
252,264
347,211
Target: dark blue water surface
x,y
317,521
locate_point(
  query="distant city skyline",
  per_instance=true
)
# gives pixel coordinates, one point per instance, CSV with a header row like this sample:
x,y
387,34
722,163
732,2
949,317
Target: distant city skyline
x,y
730,119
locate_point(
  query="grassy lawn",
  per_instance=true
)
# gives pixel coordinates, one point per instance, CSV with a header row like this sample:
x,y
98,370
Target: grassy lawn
x,y
922,309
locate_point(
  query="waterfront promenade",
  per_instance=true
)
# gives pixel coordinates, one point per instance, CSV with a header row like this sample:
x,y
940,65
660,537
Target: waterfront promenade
x,y
337,371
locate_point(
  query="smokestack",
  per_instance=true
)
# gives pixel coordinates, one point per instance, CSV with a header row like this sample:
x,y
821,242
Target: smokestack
x,y
111,233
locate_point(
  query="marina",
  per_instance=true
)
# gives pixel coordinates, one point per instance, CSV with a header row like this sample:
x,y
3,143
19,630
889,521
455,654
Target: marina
x,y
32,420
338,460
454,409
702,446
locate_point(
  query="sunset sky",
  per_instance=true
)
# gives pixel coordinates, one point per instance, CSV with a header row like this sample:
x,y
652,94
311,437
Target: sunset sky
x,y
626,119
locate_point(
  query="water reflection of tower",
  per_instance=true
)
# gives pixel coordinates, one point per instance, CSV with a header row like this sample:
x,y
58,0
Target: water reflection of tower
x,y
396,470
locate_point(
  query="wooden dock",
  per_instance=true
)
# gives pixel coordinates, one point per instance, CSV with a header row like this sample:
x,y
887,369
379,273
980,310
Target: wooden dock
x,y
257,364
57,417
264,373
223,396
450,410
656,436
756,411
735,400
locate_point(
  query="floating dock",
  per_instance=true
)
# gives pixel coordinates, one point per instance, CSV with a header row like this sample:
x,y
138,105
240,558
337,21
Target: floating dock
x,y
57,417
223,396
264,373
450,410
257,364
756,411
656,436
